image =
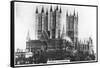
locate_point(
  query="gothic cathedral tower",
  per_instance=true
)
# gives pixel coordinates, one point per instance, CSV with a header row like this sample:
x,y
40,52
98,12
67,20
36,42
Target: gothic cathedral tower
x,y
58,22
72,27
38,24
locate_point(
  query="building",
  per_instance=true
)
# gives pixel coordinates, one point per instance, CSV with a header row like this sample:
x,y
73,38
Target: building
x,y
58,22
54,22
72,26
48,28
49,22
86,46
39,24
34,45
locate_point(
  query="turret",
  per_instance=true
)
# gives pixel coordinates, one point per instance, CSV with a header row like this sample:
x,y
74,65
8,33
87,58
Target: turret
x,y
42,11
67,13
36,10
60,10
57,7
46,12
51,9
74,12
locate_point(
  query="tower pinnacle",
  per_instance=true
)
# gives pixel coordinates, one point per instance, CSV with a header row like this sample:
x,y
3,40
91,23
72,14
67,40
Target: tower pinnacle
x,y
60,9
36,9
74,12
46,11
57,7
51,8
42,9
67,13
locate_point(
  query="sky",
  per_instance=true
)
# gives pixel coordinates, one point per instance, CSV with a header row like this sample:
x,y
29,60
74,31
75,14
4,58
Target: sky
x,y
25,21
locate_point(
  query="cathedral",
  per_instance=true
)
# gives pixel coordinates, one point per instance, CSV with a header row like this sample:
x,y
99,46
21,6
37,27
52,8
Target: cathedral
x,y
48,31
49,23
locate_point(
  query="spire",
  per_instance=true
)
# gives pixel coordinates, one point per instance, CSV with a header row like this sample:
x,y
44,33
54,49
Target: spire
x,y
36,9
57,7
74,12
42,11
67,13
28,36
47,12
60,9
51,8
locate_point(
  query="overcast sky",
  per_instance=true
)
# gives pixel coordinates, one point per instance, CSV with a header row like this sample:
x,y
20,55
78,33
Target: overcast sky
x,y
25,20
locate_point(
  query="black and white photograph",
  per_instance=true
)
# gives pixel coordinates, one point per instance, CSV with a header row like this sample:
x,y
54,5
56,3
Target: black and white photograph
x,y
51,33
